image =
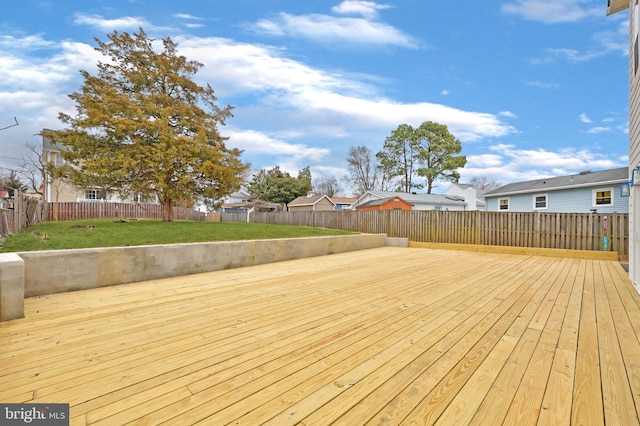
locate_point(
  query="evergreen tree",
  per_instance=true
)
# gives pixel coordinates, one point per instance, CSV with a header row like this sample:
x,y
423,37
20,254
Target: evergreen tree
x,y
143,125
277,186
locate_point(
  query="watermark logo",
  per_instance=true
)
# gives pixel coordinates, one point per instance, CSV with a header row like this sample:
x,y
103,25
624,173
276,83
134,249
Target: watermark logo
x,y
34,414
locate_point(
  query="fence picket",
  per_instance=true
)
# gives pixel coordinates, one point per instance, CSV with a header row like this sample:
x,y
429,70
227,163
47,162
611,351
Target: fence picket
x,y
574,231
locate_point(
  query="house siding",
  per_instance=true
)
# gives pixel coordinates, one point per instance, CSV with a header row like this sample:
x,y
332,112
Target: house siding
x,y
322,205
578,200
634,146
63,191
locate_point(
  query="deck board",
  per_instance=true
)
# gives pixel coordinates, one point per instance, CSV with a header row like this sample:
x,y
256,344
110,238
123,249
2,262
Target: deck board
x,y
383,336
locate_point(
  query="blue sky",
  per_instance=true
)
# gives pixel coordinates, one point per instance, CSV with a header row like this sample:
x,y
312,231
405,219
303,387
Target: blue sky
x,y
532,88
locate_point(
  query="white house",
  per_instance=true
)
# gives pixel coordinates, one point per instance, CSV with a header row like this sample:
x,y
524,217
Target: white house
x,y
419,201
583,192
471,195
231,201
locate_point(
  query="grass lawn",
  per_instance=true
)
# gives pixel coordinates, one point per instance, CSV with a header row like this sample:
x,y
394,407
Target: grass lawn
x,y
107,233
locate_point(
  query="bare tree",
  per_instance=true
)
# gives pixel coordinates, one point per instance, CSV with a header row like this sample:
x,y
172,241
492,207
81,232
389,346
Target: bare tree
x,y
33,168
362,169
328,186
484,184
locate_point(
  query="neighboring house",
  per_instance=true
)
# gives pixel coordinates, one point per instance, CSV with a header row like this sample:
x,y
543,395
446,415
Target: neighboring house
x,y
583,192
419,201
311,203
59,190
470,193
231,202
393,203
614,6
342,203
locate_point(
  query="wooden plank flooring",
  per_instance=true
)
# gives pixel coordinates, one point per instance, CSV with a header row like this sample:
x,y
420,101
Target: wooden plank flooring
x,y
383,336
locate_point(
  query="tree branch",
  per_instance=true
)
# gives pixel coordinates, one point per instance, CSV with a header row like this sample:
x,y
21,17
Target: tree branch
x,y
13,125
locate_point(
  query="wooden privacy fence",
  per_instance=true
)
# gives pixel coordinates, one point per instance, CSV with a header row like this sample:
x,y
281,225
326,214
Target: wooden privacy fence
x,y
574,231
6,222
96,210
26,211
18,213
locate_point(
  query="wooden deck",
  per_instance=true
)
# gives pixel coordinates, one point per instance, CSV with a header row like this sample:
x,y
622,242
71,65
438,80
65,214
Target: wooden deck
x,y
382,336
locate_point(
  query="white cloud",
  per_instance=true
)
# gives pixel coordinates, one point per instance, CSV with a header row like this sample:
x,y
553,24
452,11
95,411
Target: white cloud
x,y
444,92
584,118
186,16
132,23
598,129
384,113
286,84
366,9
327,29
541,84
567,159
603,43
511,164
257,142
574,55
29,42
507,114
52,72
553,11
483,161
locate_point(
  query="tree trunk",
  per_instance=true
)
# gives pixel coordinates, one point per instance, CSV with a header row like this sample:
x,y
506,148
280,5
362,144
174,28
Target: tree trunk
x,y
55,207
429,185
167,209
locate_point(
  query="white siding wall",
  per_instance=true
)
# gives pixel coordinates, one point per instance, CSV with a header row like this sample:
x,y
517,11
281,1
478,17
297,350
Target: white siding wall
x,y
634,145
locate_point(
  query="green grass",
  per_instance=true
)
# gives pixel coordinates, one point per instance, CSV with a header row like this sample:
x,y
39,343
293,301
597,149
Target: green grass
x,y
107,233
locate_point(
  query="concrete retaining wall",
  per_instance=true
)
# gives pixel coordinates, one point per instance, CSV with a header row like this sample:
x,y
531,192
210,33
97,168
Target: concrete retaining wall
x,y
28,274
11,286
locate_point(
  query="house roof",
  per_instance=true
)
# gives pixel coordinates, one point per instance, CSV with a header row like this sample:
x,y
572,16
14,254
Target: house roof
x,y
306,200
343,200
414,199
253,204
582,179
48,145
464,185
380,201
615,6
239,194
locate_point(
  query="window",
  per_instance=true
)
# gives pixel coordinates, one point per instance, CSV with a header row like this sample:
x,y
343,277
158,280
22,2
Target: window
x,y
59,160
94,194
503,204
540,201
139,197
603,197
